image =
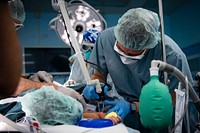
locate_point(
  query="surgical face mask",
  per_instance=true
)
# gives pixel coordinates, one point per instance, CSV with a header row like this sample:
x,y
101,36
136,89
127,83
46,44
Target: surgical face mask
x,y
126,60
87,54
138,57
70,67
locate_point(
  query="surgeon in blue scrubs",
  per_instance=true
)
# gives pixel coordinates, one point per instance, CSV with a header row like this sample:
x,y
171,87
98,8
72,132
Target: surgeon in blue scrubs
x,y
125,51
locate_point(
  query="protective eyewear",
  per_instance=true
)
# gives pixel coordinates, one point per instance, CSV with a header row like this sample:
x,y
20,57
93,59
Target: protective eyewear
x,y
18,26
137,57
86,48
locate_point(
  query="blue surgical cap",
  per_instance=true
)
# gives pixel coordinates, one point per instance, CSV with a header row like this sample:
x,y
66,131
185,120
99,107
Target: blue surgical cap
x,y
138,29
17,10
89,37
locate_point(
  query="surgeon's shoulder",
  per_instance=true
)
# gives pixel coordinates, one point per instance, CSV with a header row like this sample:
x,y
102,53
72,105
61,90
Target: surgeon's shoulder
x,y
173,51
171,45
109,32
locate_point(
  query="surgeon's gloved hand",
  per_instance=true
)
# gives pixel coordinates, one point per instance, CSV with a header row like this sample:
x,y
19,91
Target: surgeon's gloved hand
x,y
69,82
122,107
89,92
42,76
72,93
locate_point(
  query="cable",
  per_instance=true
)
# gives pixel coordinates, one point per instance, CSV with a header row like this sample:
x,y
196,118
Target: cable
x,y
94,65
68,35
14,113
187,100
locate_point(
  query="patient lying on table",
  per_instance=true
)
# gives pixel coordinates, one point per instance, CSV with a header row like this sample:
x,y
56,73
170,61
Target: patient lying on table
x,y
26,84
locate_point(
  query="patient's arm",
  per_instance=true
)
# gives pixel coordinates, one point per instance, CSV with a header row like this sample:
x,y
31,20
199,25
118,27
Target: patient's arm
x,y
26,84
101,115
94,115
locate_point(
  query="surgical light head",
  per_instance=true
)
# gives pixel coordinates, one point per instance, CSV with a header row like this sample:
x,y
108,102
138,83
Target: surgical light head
x,y
138,29
17,10
83,17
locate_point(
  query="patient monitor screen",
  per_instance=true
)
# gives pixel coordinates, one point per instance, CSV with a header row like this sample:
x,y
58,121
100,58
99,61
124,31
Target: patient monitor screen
x,y
52,60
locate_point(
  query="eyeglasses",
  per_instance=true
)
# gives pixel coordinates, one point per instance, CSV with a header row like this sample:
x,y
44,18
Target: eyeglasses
x,y
18,26
86,48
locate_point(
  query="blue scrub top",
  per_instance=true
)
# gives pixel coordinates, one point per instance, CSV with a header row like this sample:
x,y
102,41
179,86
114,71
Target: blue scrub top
x,y
129,79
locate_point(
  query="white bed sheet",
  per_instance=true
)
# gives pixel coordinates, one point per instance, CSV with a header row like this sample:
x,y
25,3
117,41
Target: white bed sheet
x,y
120,128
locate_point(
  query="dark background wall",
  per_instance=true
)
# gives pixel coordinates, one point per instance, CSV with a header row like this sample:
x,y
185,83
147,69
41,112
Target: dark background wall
x,y
181,20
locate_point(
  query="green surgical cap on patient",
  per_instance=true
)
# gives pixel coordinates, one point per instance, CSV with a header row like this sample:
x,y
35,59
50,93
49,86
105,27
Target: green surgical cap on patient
x,y
51,107
138,29
17,10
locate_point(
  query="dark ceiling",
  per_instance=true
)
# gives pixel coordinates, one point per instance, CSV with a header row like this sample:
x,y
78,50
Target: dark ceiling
x,y
110,6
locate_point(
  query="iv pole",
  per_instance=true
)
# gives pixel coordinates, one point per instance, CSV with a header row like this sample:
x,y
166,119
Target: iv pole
x,y
162,38
59,5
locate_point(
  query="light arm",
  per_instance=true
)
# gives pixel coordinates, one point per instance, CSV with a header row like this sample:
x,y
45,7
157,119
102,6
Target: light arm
x,y
61,4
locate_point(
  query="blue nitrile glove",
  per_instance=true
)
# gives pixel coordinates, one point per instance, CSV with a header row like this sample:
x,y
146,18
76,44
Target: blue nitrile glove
x,y
89,92
106,89
122,107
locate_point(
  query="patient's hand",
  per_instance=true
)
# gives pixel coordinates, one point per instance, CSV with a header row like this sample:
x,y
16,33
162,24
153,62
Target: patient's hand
x,y
115,119
69,82
42,76
26,84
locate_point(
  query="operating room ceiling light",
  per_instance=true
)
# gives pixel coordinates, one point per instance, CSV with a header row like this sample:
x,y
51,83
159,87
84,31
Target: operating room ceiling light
x,y
82,18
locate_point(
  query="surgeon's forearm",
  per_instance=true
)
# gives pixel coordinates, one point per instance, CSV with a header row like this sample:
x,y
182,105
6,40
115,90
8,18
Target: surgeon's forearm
x,y
99,76
10,56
